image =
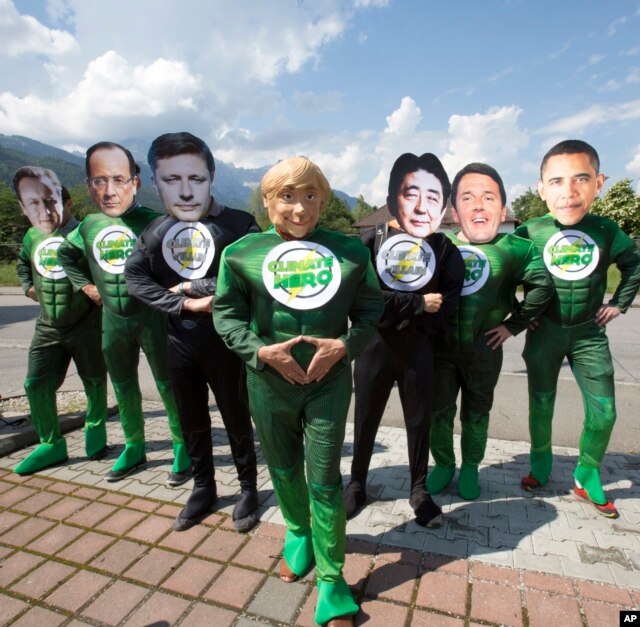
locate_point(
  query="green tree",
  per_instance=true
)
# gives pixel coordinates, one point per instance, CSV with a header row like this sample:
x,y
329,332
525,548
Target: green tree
x,y
13,224
255,207
622,205
361,209
336,215
528,205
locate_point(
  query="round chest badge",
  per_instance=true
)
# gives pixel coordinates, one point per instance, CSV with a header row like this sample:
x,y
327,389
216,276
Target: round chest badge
x,y
45,259
476,269
405,263
111,247
188,249
571,255
301,275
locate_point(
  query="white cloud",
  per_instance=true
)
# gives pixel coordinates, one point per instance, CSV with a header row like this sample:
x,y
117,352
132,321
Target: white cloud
x,y
634,165
493,137
613,27
610,85
23,34
595,58
313,102
593,116
370,3
633,76
556,53
514,191
403,121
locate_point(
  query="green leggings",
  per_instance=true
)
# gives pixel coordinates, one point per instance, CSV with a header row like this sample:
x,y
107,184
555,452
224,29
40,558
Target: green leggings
x,y
587,349
122,339
298,424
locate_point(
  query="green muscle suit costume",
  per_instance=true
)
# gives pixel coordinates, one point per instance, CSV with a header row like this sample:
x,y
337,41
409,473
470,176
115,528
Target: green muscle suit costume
x,y
578,257
295,422
464,361
68,327
103,243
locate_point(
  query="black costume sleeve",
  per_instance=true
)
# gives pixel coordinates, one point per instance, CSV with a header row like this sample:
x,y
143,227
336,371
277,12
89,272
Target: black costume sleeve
x,y
450,282
24,270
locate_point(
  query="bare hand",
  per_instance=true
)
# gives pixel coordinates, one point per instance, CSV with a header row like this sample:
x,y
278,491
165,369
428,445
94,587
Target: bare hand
x,y
91,291
497,336
198,305
328,353
605,314
31,293
186,288
279,357
432,302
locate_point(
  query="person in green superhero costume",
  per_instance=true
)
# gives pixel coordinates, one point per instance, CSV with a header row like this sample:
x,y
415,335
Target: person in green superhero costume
x,y
578,248
470,358
68,326
282,304
93,256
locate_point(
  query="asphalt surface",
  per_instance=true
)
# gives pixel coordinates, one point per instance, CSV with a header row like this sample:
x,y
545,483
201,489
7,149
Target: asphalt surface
x,y
509,415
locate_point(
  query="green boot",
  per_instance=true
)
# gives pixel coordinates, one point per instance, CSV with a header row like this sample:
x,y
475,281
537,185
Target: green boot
x,y
334,600
468,486
439,478
44,456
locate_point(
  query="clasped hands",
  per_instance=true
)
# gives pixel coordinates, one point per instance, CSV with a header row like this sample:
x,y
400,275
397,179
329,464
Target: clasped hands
x,y
328,352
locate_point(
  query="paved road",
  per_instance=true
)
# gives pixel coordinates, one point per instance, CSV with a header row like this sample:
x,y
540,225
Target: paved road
x,y
509,416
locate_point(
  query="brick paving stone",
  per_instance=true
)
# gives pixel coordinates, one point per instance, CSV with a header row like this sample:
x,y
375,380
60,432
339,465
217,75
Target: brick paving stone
x,y
381,614
270,530
602,614
393,581
15,495
52,541
151,529
62,488
192,577
26,531
17,565
153,567
77,591
8,520
115,498
171,511
496,603
220,545
234,587
551,609
493,573
37,502
306,616
92,514
10,608
86,547
143,505
115,603
212,520
393,554
185,541
278,600
43,579
259,552
117,558
4,551
356,569
603,592
159,609
357,545
121,521
421,618
203,615
15,478
39,616
63,508
440,563
89,493
442,591
548,583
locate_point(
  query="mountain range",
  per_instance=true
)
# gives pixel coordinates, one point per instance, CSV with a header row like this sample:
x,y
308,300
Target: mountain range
x,y
232,186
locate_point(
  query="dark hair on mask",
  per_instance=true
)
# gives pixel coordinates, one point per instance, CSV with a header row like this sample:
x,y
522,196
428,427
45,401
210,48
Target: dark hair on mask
x,y
174,144
109,146
478,168
572,147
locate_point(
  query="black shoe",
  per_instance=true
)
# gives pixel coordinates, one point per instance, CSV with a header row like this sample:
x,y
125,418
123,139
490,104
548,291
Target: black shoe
x,y
355,496
197,508
176,479
101,454
428,514
118,475
244,513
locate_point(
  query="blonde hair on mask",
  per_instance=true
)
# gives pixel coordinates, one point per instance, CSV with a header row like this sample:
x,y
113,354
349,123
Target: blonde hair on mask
x,y
295,173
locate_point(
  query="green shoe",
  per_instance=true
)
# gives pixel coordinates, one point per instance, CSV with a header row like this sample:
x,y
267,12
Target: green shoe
x,y
468,486
298,551
132,457
334,600
589,478
95,441
44,456
439,478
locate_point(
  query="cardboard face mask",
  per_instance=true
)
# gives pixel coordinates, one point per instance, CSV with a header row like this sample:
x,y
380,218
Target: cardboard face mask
x,y
41,199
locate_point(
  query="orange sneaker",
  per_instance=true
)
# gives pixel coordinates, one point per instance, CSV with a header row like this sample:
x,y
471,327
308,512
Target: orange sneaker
x,y
530,483
608,509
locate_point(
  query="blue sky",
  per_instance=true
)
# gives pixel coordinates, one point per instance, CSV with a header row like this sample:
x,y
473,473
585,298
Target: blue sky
x,y
349,83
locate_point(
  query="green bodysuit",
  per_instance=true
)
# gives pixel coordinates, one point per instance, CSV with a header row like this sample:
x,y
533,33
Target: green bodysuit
x,y
463,361
95,253
68,328
577,257
269,291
